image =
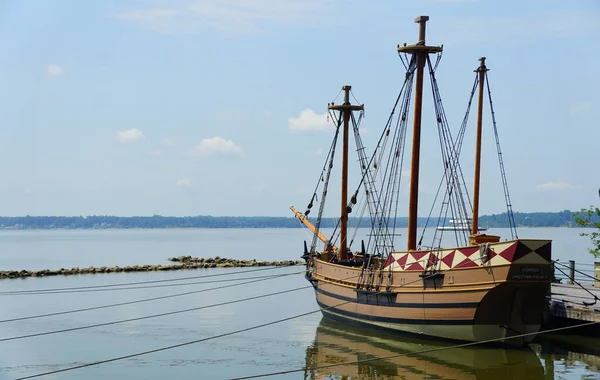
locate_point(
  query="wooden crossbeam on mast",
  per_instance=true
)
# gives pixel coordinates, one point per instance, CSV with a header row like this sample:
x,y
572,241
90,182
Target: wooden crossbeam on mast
x,y
346,110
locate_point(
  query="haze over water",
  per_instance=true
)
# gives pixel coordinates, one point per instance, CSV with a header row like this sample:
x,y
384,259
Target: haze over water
x,y
306,341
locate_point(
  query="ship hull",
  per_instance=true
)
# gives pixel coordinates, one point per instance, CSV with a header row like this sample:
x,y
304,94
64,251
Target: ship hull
x,y
494,301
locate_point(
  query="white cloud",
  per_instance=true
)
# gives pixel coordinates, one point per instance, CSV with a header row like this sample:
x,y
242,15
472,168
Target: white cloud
x,y
319,152
217,146
185,182
129,135
53,71
310,121
578,108
559,185
225,16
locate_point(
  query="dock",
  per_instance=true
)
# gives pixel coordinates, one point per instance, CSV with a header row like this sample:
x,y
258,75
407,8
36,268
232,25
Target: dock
x,y
576,301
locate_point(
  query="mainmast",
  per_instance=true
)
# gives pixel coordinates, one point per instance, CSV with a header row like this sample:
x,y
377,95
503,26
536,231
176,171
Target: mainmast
x,y
346,110
481,70
419,51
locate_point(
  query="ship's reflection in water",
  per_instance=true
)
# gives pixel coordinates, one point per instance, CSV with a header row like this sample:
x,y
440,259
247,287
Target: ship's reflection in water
x,y
336,343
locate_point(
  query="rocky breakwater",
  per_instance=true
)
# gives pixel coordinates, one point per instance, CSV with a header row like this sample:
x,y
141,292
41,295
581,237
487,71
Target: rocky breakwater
x,y
183,262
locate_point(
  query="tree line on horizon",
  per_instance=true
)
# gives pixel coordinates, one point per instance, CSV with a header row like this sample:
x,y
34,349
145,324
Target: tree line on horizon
x,y
536,219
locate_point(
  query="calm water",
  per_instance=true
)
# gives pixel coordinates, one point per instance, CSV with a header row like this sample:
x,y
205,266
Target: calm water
x,y
303,342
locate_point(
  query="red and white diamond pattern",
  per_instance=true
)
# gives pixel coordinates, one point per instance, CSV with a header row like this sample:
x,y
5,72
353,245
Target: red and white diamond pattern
x,y
518,251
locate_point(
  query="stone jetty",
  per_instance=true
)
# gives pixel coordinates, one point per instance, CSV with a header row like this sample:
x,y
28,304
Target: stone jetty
x,y
183,262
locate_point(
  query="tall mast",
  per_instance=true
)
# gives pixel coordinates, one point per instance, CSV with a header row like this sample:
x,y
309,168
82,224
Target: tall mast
x,y
419,51
346,110
481,70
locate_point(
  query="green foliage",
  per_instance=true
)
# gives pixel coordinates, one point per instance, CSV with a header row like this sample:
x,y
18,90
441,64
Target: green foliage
x,y
532,219
590,217
529,219
158,221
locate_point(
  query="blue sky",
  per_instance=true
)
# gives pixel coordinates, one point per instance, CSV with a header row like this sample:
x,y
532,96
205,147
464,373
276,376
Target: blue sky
x,y
192,107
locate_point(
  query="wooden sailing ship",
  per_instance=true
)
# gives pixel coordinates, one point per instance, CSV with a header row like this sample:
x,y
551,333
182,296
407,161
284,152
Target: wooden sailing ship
x,y
479,289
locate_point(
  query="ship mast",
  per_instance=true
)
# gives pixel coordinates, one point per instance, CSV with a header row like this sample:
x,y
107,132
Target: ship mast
x,y
346,110
419,51
481,70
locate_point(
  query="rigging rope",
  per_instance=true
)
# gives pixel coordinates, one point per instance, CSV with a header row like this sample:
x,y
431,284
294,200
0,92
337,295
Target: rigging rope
x,y
380,229
323,171
331,156
437,60
459,140
509,210
368,178
453,172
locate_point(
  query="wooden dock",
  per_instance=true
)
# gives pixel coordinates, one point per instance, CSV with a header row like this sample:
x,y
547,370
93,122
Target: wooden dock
x,y
570,304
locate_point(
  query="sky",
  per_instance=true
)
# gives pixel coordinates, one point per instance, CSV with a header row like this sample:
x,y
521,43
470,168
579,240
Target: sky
x,y
206,107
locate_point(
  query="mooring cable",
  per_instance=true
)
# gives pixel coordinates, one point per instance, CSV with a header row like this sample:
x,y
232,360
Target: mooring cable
x,y
575,270
224,334
214,336
158,315
147,299
143,286
144,282
469,344
172,346
594,296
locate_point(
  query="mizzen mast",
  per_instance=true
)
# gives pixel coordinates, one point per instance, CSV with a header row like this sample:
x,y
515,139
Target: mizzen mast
x,y
419,51
346,110
481,70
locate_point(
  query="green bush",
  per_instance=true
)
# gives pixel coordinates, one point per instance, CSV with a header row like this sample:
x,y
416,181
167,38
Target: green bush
x,y
590,217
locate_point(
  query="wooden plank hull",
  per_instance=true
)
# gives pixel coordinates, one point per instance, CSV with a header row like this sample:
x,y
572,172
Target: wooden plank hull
x,y
480,301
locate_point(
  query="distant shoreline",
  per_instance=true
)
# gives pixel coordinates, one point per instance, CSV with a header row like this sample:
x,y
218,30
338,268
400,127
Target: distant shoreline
x,y
100,222
226,228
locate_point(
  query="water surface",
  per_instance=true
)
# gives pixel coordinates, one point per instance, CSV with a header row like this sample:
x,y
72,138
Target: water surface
x,y
307,343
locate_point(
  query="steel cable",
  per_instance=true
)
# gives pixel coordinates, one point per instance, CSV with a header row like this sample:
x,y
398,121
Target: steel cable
x,y
139,301
158,315
138,287
211,337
